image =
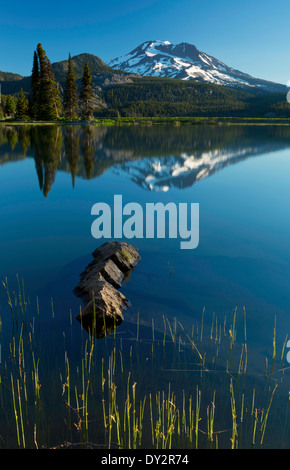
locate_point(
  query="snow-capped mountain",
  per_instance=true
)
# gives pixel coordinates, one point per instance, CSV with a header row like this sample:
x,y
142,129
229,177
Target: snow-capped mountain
x,y
186,62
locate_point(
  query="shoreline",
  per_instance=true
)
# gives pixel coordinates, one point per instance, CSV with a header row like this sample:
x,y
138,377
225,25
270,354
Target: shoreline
x,y
149,121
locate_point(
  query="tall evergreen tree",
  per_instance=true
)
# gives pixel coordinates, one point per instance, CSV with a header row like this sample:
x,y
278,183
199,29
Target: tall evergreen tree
x,y
70,99
34,86
87,94
45,99
21,106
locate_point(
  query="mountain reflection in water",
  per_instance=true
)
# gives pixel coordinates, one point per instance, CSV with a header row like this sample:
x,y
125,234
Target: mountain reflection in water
x,y
155,158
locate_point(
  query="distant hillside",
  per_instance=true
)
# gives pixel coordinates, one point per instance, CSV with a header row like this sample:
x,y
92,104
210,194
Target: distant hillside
x,y
95,63
8,76
13,87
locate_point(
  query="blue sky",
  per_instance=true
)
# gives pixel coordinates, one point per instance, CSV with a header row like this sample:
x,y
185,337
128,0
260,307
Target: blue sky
x,y
250,35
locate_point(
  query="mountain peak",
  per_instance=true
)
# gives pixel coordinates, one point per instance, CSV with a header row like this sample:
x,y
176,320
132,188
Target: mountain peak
x,y
184,61
156,42
149,45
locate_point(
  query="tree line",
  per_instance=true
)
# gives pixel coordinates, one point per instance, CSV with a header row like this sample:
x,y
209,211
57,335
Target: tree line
x,y
156,97
44,102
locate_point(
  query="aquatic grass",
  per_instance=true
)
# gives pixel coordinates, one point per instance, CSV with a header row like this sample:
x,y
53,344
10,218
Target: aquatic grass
x,y
195,347
15,411
5,284
265,418
255,427
67,378
141,418
253,402
151,420
212,324
283,348
77,400
274,340
232,330
20,413
35,377
210,419
241,360
107,392
121,361
162,426
172,332
242,410
135,427
21,298
84,397
201,328
166,415
234,416
197,415
164,334
245,325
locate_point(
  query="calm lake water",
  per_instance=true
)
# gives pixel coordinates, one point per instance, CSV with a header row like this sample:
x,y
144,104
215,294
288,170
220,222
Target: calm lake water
x,y
50,176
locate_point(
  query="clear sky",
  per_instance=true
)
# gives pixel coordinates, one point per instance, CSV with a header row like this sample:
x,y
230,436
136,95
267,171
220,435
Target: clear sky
x,y
250,35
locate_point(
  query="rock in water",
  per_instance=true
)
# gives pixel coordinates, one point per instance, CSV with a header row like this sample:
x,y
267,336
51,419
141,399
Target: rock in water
x,y
98,285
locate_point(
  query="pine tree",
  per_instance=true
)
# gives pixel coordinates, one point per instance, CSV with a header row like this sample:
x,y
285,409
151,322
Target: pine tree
x,y
34,86
22,106
10,106
70,100
87,94
45,99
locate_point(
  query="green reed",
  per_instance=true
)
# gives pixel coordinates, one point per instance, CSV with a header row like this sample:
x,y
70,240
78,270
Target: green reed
x,y
274,340
197,415
255,427
265,418
20,413
15,411
234,416
210,419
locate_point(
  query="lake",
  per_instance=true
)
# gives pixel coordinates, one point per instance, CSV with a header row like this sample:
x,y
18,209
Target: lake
x,y
226,301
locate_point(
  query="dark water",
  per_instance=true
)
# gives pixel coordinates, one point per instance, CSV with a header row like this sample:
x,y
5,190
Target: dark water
x,y
51,176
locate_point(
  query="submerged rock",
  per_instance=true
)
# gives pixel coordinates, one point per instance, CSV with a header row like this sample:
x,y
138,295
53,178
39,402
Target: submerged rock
x,y
99,284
